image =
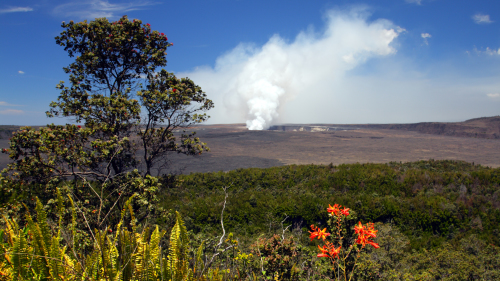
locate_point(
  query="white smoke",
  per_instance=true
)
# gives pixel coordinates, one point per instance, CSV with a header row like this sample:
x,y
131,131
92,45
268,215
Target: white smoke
x,y
254,83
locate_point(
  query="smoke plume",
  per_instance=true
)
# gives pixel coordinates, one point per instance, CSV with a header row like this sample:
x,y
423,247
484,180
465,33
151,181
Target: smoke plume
x,y
254,83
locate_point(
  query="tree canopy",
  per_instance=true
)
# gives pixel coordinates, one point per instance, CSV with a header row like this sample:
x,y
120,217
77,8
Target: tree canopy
x,y
124,103
132,113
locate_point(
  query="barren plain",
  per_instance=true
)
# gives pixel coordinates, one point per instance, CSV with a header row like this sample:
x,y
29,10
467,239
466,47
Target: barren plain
x,y
233,146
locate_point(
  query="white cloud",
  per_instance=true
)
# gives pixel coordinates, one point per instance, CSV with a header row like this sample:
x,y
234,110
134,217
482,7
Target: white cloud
x,y
487,51
481,19
16,9
491,52
494,95
426,36
254,84
91,9
20,72
418,2
4,103
11,112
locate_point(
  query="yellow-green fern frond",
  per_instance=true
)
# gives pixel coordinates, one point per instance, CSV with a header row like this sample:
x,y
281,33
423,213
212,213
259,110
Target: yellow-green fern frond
x,y
60,209
155,249
148,260
126,207
20,256
45,232
198,259
42,241
73,220
177,265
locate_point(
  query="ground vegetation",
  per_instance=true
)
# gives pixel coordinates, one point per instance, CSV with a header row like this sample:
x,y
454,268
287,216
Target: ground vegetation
x,y
433,220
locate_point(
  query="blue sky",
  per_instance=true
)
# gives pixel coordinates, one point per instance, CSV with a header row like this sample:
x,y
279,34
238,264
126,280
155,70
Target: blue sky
x,y
268,62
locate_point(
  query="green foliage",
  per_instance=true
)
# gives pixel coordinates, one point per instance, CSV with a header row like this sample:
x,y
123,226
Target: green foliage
x,y
466,259
170,101
442,228
178,261
429,201
35,253
114,58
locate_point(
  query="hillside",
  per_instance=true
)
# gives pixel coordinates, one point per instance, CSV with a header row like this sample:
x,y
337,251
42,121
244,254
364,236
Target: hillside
x,y
484,127
7,130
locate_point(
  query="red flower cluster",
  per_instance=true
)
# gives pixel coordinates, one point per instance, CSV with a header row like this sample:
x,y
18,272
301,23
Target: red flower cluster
x,y
79,127
328,251
365,234
148,24
318,233
336,210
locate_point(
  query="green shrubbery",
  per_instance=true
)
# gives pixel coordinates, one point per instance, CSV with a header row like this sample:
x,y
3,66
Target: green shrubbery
x,y
429,201
277,249
430,233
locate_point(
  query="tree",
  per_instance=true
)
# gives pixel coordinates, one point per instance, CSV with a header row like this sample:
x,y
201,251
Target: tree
x,y
113,60
168,102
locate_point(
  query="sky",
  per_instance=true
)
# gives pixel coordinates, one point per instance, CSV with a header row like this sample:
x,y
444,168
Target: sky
x,y
276,61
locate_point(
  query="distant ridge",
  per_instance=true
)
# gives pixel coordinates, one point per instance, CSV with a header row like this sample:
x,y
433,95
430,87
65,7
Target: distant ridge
x,y
483,127
7,130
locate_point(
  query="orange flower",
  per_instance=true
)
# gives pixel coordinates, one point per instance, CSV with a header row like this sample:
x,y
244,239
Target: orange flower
x,y
345,211
334,253
365,233
324,252
362,240
335,209
329,251
375,245
370,231
359,228
318,233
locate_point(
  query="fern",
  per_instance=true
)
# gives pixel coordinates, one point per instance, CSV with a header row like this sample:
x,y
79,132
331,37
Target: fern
x,y
177,266
19,256
37,254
